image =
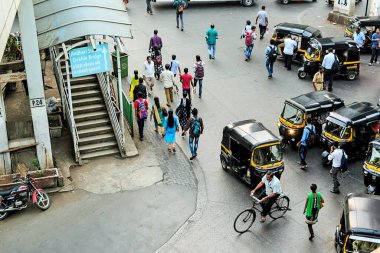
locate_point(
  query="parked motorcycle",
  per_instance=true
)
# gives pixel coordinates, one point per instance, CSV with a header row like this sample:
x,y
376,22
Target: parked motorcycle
x,y
17,198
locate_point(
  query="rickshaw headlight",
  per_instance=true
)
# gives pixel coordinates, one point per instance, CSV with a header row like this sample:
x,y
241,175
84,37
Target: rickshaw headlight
x,y
278,124
365,173
292,132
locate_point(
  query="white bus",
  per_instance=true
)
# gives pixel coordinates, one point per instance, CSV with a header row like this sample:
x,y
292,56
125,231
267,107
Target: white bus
x,y
246,3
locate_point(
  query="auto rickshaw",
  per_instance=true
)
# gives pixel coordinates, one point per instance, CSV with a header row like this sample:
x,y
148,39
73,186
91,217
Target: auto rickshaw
x,y
359,228
353,127
250,150
371,168
368,26
301,33
315,105
345,49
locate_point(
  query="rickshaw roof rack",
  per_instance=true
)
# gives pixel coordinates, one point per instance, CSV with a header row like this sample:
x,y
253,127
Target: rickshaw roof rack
x,y
337,43
357,113
362,214
316,100
250,133
305,30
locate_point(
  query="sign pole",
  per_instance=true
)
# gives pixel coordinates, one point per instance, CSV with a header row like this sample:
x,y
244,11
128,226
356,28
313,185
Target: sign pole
x,y
366,8
120,91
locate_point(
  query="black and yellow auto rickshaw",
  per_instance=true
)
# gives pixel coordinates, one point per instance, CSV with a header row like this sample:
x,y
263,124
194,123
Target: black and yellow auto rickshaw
x,y
301,33
345,49
251,150
315,105
371,168
359,228
353,127
368,26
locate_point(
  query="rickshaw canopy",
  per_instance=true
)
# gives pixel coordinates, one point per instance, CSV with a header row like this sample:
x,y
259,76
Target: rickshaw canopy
x,y
298,29
337,43
367,21
316,100
362,214
250,133
355,114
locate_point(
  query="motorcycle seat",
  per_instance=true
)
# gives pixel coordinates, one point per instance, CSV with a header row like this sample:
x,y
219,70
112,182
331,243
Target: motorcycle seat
x,y
6,192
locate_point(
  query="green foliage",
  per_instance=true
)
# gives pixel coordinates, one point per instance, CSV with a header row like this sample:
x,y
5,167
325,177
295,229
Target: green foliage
x,y
36,163
11,48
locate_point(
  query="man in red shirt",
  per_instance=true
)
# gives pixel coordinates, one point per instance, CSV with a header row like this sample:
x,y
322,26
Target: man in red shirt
x,y
186,79
141,110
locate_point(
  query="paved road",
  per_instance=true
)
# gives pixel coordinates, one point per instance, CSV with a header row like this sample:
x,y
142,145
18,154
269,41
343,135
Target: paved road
x,y
236,90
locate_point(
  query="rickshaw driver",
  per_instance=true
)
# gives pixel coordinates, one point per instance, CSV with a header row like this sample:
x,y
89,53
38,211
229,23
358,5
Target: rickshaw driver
x,y
268,197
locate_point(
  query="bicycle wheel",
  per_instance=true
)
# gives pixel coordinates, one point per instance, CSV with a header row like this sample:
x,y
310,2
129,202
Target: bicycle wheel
x,y
244,220
279,208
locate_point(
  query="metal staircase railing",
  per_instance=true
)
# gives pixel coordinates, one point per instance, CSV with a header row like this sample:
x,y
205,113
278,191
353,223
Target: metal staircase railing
x,y
66,102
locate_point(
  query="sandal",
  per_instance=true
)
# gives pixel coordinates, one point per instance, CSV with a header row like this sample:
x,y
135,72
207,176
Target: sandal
x,y
263,219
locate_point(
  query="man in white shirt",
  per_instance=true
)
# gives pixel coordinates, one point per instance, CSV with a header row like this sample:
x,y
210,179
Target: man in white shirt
x,y
289,46
327,64
167,79
262,17
148,74
336,157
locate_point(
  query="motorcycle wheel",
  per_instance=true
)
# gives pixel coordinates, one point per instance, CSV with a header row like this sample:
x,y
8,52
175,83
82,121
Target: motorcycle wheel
x,y
3,215
43,200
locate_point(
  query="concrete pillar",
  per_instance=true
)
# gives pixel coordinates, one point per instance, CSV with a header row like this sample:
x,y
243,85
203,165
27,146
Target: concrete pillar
x,y
345,7
35,85
5,158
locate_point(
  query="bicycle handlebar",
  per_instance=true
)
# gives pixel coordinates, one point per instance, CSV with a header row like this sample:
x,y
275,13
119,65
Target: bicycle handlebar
x,y
255,199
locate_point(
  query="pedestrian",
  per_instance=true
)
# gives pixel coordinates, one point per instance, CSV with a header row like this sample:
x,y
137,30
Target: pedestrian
x,y
248,27
289,46
133,83
314,202
196,128
149,7
183,111
262,17
211,37
179,7
155,41
359,37
158,114
140,88
167,79
157,60
187,82
141,111
271,53
148,74
250,36
199,73
171,127
306,140
174,66
336,156
318,80
375,47
329,64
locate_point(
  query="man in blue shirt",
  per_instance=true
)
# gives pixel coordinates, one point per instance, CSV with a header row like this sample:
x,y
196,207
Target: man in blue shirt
x,y
303,143
375,46
211,37
359,37
270,59
327,64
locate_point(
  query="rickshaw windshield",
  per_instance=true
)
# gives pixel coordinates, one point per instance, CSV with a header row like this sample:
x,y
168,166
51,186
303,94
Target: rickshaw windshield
x,y
359,244
342,132
292,114
373,157
267,155
314,48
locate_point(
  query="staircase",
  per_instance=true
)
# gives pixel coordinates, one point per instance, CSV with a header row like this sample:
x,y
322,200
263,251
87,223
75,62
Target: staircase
x,y
94,129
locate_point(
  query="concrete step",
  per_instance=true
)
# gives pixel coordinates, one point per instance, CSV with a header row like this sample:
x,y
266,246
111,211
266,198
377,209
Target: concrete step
x,y
85,86
100,153
87,101
96,138
86,94
88,108
90,116
83,79
97,146
95,131
93,123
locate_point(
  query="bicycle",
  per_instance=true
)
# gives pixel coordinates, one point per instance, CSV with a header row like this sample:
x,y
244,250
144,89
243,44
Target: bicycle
x,y
248,216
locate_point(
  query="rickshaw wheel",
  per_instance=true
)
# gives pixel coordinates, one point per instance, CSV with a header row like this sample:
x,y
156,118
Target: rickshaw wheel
x,y
285,1
244,220
280,207
247,3
351,75
302,74
224,164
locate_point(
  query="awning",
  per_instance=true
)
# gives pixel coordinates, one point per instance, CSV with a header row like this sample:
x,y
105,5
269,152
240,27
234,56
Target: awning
x,y
58,21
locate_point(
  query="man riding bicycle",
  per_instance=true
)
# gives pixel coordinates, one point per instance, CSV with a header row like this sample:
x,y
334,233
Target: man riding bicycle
x,y
272,192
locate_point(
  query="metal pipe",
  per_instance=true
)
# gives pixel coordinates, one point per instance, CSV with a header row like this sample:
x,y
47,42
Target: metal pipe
x,y
121,109
366,8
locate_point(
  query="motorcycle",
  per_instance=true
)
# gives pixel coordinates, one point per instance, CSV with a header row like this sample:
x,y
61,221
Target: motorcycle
x,y
17,198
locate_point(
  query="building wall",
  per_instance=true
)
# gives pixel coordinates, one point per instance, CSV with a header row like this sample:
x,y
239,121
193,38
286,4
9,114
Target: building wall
x,y
8,10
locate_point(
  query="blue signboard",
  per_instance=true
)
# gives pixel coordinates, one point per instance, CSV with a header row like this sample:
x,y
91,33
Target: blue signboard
x,y
87,61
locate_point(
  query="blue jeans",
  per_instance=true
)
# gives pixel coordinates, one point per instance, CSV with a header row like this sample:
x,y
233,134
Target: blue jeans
x,y
269,66
148,6
211,50
248,51
180,16
302,153
193,144
200,85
